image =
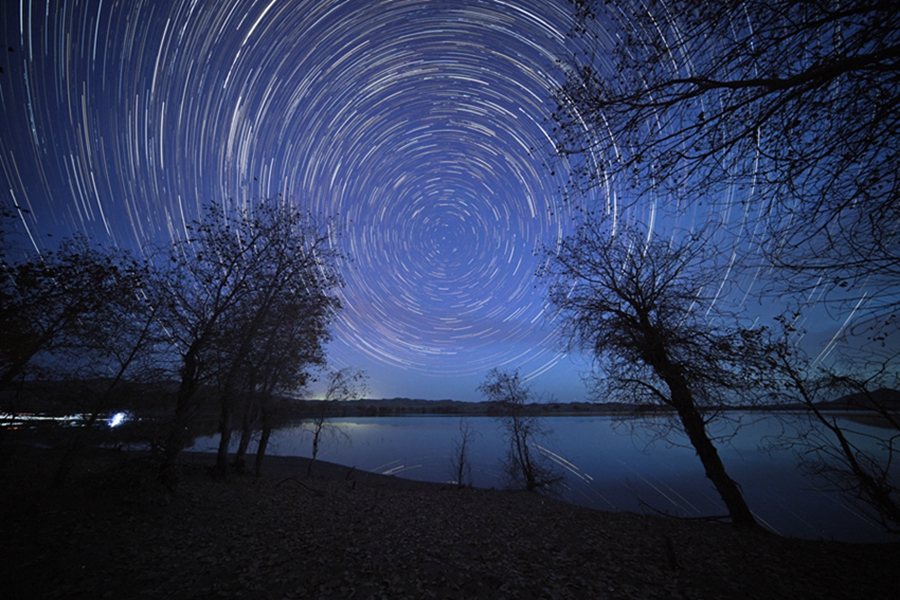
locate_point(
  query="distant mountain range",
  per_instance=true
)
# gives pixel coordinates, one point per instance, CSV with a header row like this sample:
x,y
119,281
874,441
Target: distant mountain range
x,y
884,398
156,400
411,406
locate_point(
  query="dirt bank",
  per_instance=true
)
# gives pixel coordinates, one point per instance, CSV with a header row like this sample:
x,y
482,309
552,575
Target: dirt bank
x,y
345,534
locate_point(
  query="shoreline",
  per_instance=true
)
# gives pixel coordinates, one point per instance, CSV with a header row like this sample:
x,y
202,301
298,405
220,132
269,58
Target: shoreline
x,y
277,467
111,532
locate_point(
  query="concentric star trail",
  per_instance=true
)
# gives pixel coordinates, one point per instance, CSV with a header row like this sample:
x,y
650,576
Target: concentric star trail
x,y
422,126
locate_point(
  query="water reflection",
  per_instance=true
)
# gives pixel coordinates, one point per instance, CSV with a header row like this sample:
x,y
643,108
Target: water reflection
x,y
34,420
608,466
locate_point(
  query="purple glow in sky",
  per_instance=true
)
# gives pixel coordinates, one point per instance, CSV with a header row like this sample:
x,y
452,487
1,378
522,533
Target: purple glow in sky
x,y
423,126
412,121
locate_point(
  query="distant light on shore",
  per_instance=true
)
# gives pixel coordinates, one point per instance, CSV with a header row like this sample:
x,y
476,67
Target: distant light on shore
x,y
117,419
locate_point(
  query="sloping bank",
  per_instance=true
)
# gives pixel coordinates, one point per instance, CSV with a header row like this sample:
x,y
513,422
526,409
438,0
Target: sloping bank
x,y
346,534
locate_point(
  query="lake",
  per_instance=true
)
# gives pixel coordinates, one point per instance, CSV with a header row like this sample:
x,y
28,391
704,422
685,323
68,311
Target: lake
x,y
610,463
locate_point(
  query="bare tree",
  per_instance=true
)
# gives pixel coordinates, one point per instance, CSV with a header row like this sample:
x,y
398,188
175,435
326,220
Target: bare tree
x,y
525,465
61,302
289,283
859,464
340,386
460,460
789,109
82,316
119,353
245,277
644,308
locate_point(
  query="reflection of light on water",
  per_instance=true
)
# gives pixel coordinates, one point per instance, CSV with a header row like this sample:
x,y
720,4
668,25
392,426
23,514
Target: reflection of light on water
x,y
765,523
386,469
622,476
14,421
569,466
672,501
20,419
380,468
302,425
400,469
687,504
563,463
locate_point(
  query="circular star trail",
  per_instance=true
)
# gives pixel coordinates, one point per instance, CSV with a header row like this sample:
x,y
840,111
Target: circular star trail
x,y
421,126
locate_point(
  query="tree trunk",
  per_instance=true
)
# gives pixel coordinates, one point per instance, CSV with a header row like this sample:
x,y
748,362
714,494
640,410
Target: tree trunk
x,y
246,435
695,428
172,449
319,423
261,449
263,441
65,464
221,468
177,437
682,400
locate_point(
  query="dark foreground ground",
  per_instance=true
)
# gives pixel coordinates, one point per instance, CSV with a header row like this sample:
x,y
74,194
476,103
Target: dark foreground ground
x,y
111,533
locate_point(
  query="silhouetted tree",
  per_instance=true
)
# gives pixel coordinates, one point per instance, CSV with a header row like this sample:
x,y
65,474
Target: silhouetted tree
x,y
645,309
856,463
291,285
789,109
245,277
64,301
122,349
460,460
340,386
82,316
284,367
525,465
280,366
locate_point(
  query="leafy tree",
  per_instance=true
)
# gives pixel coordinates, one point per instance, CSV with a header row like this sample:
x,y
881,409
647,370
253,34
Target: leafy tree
x,y
288,284
787,110
247,284
283,366
525,465
645,309
289,343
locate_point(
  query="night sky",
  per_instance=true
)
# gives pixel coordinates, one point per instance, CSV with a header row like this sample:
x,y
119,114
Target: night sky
x,y
422,125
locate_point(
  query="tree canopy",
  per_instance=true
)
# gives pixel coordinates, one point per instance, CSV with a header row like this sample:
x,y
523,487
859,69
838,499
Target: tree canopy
x,y
68,301
783,113
251,295
631,302
646,309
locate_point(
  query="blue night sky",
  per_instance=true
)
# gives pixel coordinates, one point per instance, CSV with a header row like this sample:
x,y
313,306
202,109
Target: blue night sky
x,y
423,126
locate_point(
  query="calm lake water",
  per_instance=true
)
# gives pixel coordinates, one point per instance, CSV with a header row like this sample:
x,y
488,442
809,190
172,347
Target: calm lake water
x,y
609,464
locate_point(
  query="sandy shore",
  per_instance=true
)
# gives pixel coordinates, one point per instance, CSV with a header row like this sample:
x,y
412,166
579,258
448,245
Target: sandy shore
x,y
112,533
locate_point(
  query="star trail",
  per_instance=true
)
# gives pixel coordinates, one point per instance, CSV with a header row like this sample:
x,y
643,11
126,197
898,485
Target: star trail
x,y
424,128
421,126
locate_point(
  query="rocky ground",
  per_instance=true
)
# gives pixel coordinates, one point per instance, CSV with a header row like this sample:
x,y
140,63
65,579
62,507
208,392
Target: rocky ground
x,y
112,533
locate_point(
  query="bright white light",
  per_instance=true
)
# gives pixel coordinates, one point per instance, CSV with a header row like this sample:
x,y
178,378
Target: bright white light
x,y
117,419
